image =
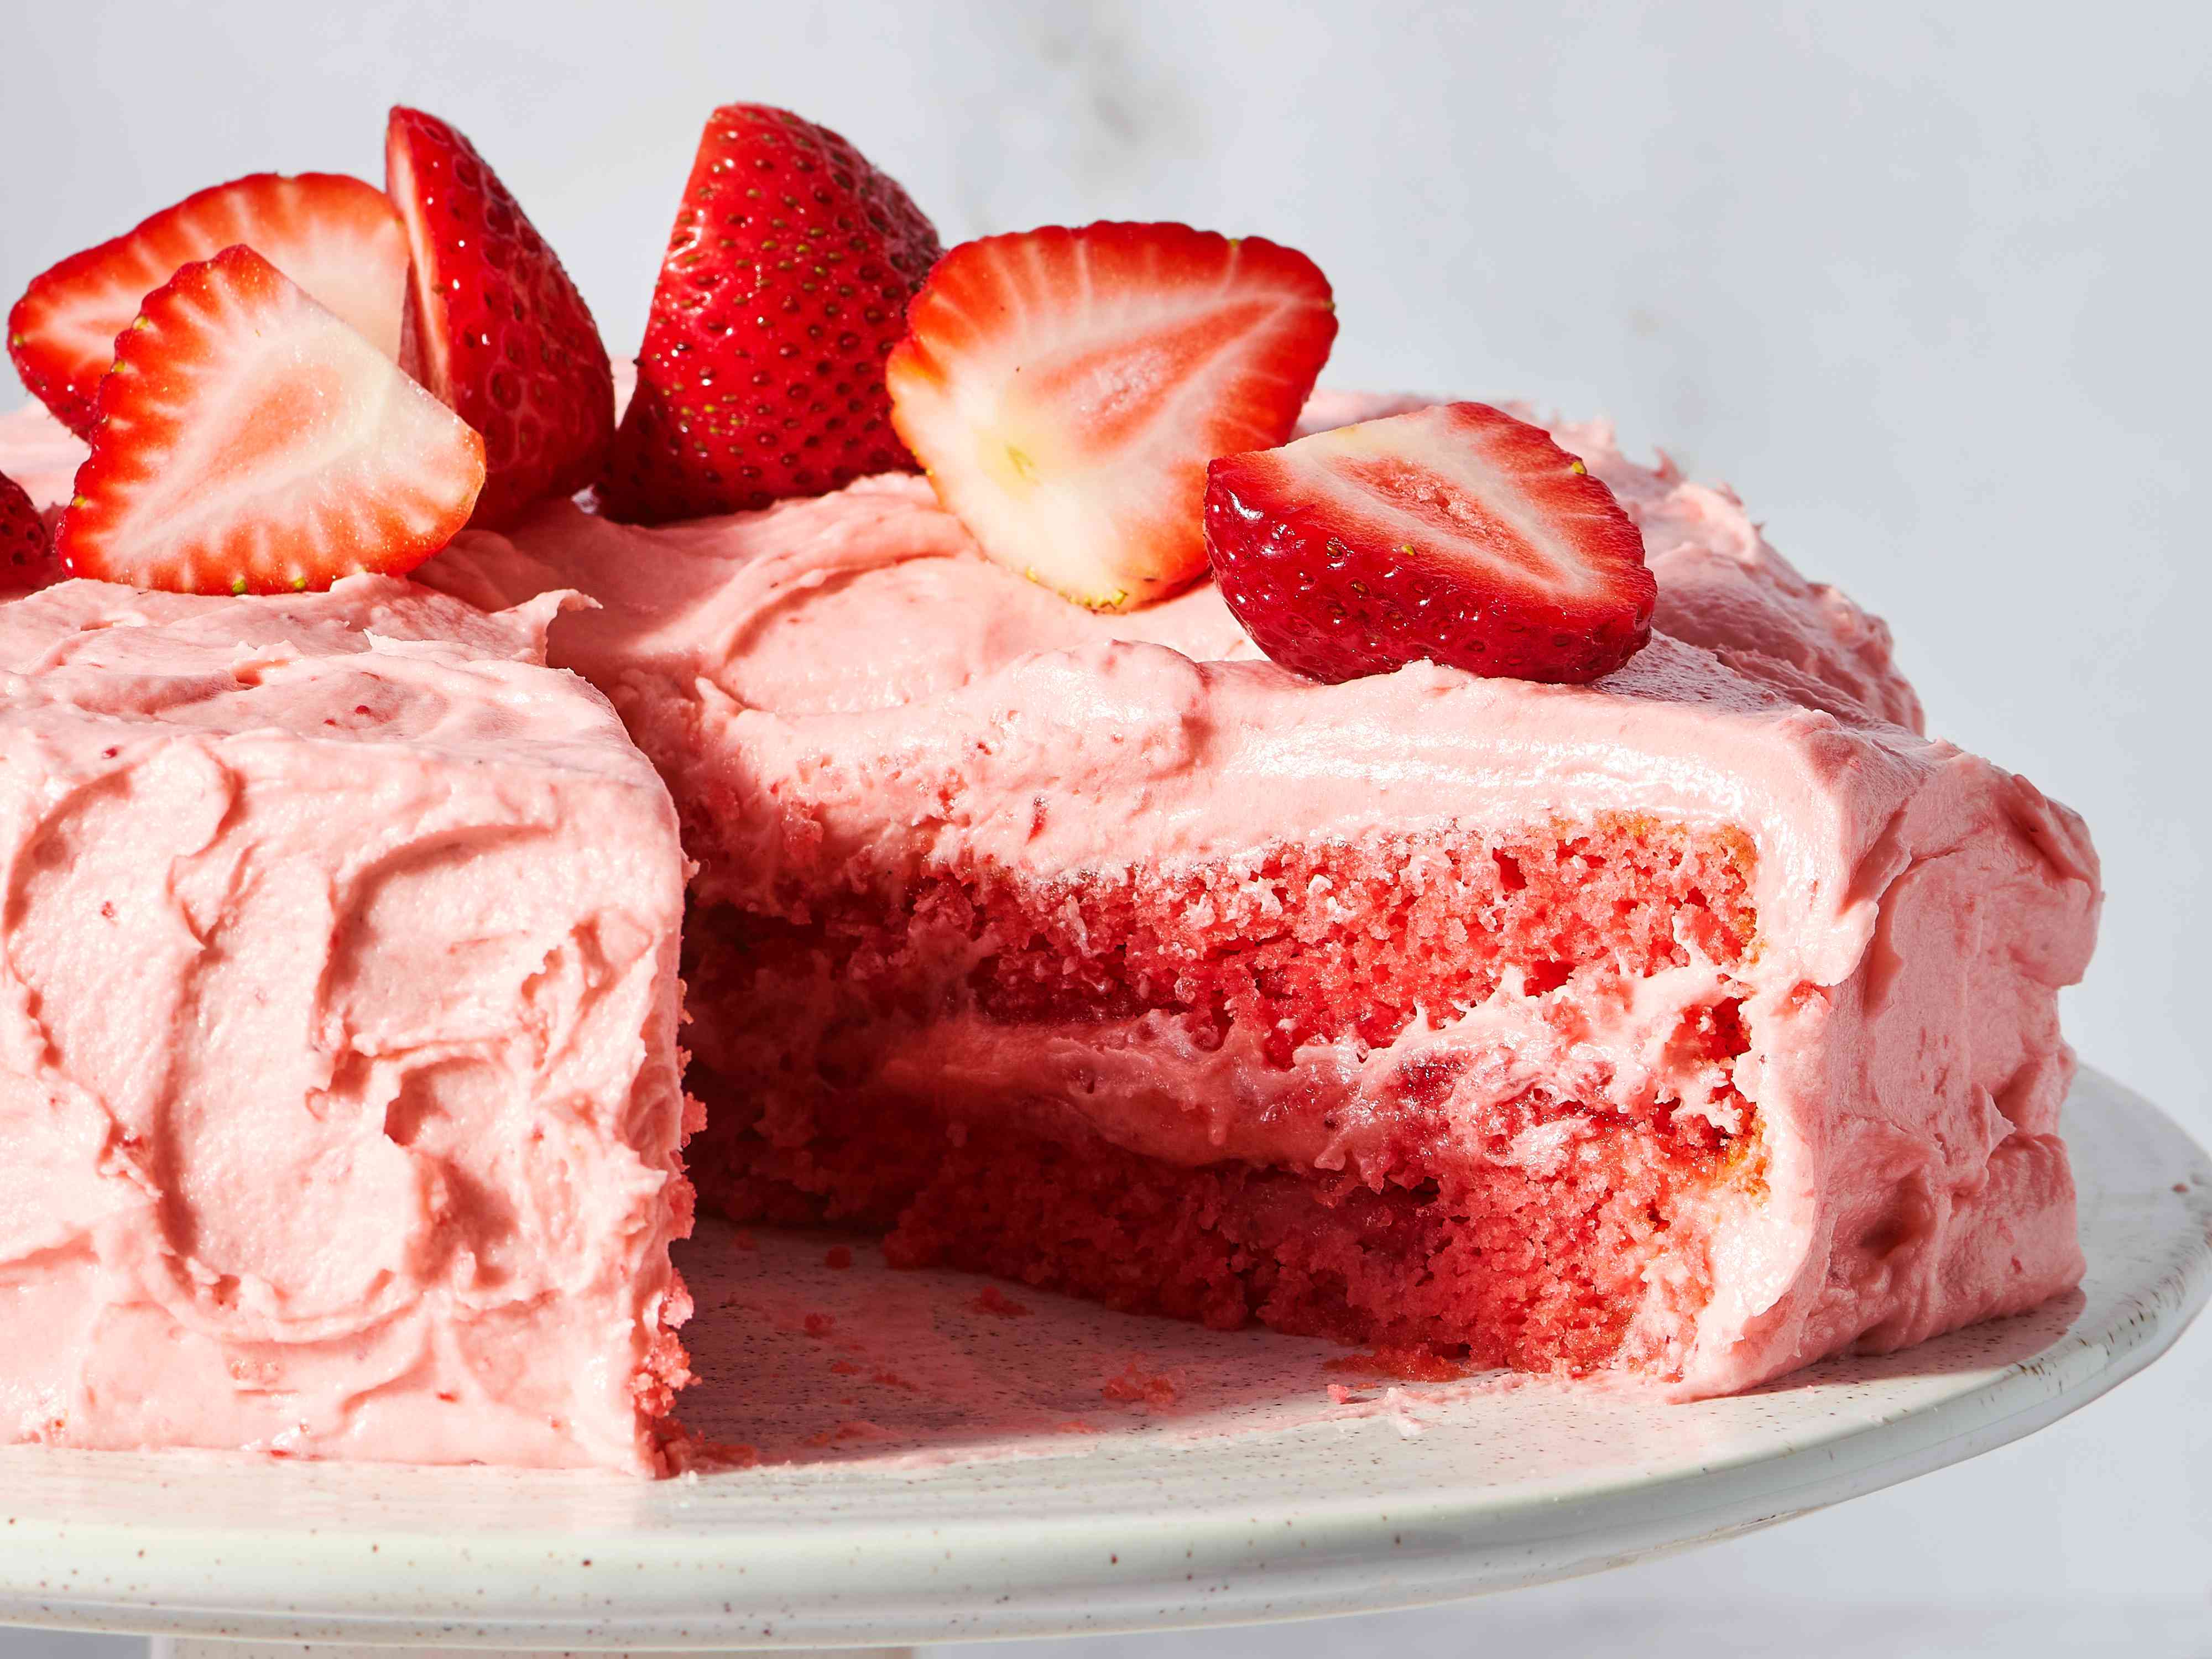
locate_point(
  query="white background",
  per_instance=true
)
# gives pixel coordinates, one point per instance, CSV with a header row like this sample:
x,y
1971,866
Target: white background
x,y
1929,289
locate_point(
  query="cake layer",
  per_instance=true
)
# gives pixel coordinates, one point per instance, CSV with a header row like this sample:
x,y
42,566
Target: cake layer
x,y
1298,1007
876,737
1471,1092
1591,1251
339,1078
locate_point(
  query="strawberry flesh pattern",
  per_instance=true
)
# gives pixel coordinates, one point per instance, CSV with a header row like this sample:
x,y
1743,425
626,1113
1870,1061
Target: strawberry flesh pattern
x,y
248,441
1456,534
784,286
334,235
1067,388
504,339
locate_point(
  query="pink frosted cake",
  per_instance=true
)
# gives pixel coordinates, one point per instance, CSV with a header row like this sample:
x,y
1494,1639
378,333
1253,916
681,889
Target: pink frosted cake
x,y
337,1037
1699,1022
1390,870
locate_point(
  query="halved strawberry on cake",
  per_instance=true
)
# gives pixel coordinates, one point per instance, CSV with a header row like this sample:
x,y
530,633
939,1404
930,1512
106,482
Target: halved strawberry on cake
x,y
1478,976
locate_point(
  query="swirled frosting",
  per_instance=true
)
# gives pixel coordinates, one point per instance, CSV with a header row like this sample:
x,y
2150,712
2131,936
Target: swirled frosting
x,y
337,1012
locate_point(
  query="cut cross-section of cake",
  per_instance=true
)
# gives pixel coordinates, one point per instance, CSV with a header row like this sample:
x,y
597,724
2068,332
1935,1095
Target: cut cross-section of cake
x,y
339,1091
1694,1024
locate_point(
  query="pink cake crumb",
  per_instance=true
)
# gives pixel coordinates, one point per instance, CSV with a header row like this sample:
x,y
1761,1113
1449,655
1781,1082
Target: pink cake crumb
x,y
992,1300
1135,1386
843,1434
694,1454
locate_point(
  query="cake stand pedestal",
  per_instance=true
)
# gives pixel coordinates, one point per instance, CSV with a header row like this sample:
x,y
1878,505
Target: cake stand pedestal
x,y
197,1647
907,1458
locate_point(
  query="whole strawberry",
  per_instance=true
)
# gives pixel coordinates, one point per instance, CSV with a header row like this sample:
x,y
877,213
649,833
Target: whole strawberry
x,y
785,287
506,342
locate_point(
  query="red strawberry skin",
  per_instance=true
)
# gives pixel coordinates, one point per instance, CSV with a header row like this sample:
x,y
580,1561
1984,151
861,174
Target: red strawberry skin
x,y
247,440
1456,533
335,236
505,339
784,286
27,561
1066,389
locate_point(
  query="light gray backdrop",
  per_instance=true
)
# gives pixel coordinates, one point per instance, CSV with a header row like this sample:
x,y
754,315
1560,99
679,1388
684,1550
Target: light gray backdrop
x,y
1929,289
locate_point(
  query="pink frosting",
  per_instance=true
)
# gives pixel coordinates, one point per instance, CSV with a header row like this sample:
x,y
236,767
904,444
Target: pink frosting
x,y
851,664
337,1033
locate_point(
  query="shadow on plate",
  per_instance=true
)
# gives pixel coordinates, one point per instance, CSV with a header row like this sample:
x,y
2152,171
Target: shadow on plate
x,y
811,1351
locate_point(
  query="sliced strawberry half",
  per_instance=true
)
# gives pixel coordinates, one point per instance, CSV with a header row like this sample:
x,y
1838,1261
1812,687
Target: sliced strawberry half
x,y
1065,390
27,561
786,282
505,340
335,236
249,441
1456,533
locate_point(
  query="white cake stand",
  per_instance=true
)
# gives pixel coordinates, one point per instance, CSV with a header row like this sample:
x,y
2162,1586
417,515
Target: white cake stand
x,y
941,1461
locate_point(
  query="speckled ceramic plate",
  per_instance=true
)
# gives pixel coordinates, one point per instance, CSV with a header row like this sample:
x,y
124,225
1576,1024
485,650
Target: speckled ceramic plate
x,y
912,1458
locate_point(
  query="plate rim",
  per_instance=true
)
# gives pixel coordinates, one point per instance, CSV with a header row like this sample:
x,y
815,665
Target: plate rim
x,y
1068,1573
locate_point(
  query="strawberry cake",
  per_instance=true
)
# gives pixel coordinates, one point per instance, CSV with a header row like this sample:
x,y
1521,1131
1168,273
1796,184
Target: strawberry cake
x,y
1395,871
